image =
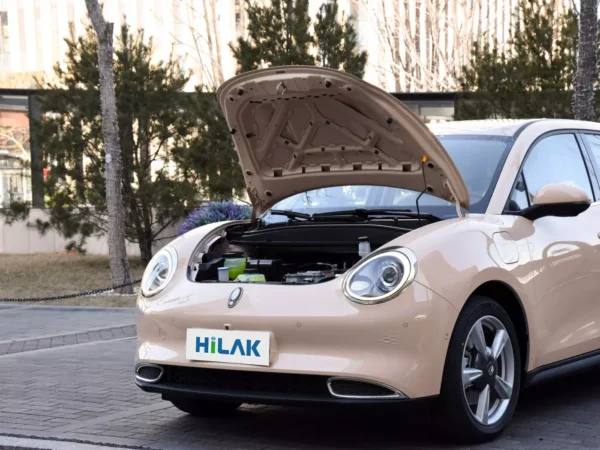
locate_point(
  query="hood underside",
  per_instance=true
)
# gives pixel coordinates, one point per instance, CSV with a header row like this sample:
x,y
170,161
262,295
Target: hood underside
x,y
301,128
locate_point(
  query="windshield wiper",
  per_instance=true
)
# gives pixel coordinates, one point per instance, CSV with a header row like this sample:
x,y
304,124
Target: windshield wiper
x,y
369,213
290,214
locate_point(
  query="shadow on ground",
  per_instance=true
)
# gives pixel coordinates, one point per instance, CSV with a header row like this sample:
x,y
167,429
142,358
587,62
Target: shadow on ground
x,y
559,414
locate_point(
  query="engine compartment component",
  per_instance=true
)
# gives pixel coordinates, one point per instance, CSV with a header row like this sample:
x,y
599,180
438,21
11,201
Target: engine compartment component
x,y
272,269
312,273
364,246
251,277
208,270
310,277
223,273
236,266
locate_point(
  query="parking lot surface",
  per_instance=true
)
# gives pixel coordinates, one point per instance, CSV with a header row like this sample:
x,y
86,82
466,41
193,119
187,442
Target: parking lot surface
x,y
85,392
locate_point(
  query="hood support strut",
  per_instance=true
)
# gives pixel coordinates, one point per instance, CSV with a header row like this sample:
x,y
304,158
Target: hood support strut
x,y
455,198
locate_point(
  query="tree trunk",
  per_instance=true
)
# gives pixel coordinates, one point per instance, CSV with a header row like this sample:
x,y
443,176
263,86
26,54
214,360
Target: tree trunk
x,y
145,245
130,161
219,78
119,264
37,158
583,99
144,179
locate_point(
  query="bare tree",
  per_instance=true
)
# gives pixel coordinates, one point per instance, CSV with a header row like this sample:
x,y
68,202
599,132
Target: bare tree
x,y
16,141
425,43
119,264
197,25
587,64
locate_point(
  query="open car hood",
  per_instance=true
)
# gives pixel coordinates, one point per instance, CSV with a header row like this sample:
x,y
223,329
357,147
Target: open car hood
x,y
299,128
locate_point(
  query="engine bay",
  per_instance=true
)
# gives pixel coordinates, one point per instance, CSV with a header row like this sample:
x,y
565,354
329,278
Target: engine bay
x,y
264,270
294,254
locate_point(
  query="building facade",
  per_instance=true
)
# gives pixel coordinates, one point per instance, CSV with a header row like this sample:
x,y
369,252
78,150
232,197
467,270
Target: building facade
x,y
413,45
422,45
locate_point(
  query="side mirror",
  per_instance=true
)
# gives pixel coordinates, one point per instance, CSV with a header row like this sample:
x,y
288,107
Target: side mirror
x,y
557,199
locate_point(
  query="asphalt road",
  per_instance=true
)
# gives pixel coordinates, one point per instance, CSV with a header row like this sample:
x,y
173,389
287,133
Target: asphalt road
x,y
79,387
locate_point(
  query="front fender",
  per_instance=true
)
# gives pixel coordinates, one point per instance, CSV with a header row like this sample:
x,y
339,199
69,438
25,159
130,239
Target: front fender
x,y
455,257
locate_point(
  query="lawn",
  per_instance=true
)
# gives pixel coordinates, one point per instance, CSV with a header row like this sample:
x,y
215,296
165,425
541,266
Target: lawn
x,y
43,275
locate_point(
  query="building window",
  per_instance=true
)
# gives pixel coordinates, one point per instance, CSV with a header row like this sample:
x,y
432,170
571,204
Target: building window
x,y
239,17
4,44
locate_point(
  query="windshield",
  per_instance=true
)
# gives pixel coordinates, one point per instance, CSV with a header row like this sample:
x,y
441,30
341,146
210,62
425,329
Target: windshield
x,y
479,160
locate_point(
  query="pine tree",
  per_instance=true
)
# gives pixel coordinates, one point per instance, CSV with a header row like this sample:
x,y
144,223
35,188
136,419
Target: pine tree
x,y
210,156
174,147
531,75
280,34
337,42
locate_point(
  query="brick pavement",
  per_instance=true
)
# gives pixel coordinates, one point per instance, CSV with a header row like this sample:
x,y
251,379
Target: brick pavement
x,y
86,392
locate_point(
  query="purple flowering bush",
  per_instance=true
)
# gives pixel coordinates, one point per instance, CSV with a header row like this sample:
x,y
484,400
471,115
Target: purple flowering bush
x,y
215,212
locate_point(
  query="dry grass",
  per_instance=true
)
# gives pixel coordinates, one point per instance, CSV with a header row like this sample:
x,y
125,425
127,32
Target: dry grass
x,y
42,275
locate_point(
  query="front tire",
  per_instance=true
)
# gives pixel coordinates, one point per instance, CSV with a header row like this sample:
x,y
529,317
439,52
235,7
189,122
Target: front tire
x,y
205,408
482,374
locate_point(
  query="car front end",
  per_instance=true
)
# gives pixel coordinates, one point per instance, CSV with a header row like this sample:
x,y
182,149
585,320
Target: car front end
x,y
326,343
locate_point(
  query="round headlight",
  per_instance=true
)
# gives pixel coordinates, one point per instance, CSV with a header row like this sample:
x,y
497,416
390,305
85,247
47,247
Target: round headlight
x,y
381,276
159,272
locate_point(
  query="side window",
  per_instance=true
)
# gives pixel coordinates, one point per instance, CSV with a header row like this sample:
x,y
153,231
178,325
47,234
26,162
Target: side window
x,y
518,197
556,159
593,143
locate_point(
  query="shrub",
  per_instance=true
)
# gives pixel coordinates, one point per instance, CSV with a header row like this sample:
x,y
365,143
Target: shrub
x,y
215,212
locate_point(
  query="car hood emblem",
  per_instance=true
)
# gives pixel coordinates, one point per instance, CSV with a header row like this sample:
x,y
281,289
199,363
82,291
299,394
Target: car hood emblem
x,y
235,297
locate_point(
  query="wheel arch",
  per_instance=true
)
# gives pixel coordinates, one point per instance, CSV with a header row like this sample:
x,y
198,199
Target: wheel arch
x,y
506,296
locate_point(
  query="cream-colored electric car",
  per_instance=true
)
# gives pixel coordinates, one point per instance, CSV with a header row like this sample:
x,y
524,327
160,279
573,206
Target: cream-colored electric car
x,y
385,262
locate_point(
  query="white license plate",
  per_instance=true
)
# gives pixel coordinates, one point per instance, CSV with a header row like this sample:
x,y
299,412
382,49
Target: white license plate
x,y
240,347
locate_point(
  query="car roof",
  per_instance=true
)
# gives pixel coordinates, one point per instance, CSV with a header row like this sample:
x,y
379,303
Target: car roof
x,y
504,127
495,127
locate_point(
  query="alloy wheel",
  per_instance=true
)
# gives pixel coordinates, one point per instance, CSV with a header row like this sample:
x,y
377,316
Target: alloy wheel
x,y
488,372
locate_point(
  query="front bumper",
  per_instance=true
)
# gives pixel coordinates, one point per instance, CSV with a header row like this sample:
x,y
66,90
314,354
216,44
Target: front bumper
x,y
267,388
315,331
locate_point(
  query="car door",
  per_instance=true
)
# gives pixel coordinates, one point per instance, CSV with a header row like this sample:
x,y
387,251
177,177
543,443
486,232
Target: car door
x,y
564,252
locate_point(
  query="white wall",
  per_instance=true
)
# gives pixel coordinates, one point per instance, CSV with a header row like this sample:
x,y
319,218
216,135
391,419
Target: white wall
x,y
19,238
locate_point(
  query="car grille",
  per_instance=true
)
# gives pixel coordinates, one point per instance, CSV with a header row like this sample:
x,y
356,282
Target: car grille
x,y
246,381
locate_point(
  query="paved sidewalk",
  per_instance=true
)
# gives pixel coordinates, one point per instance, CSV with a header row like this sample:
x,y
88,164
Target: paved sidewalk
x,y
41,342
24,321
85,393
